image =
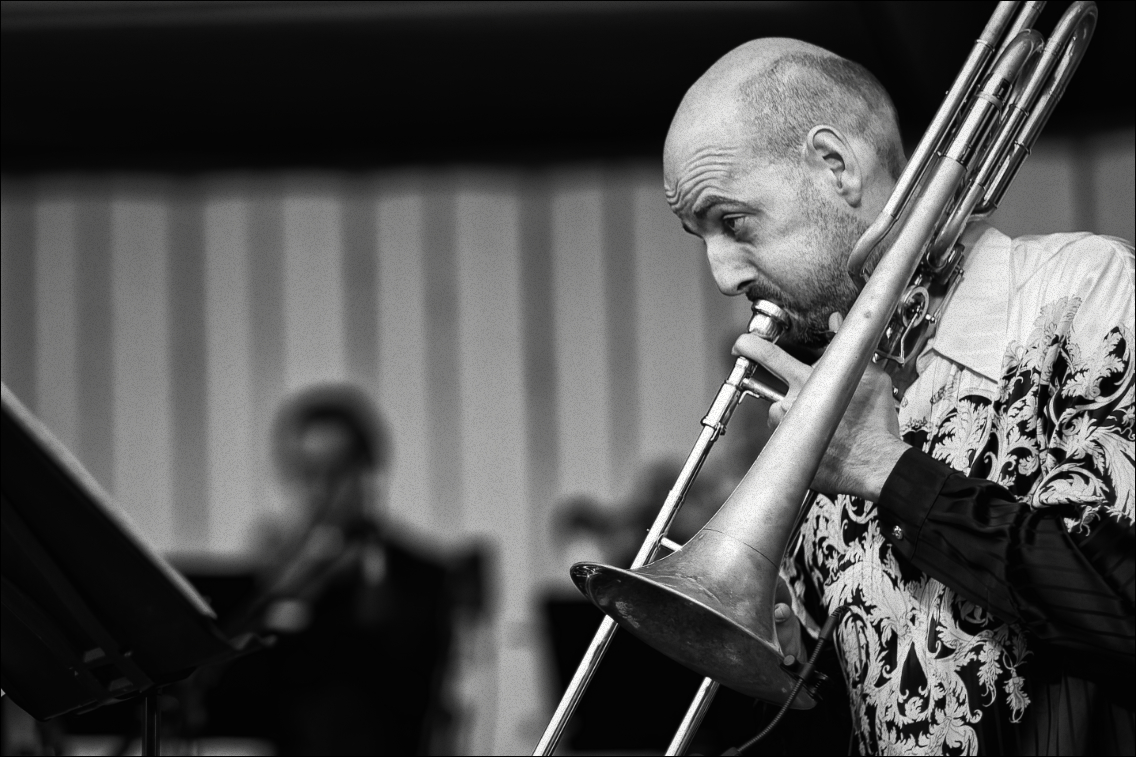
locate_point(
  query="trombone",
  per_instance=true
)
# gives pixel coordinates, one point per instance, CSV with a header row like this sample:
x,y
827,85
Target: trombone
x,y
709,603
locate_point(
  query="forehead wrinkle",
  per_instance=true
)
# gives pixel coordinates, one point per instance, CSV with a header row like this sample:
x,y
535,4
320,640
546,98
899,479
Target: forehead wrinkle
x,y
711,151
696,183
706,164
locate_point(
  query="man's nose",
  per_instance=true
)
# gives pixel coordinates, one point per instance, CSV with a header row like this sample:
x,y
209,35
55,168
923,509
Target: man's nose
x,y
733,271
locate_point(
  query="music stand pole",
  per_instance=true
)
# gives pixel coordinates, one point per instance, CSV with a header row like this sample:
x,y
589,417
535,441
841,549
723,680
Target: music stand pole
x,y
152,725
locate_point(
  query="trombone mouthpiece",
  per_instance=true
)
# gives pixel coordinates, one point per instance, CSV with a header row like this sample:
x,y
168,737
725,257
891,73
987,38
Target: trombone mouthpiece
x,y
769,321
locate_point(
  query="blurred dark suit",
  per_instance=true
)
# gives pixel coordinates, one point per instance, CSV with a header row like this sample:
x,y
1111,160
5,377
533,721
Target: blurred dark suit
x,y
363,623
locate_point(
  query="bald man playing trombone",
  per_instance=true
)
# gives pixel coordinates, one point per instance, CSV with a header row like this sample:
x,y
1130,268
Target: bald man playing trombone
x,y
980,537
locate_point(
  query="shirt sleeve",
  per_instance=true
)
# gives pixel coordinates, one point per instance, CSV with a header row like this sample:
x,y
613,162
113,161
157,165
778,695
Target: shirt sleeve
x,y
1072,589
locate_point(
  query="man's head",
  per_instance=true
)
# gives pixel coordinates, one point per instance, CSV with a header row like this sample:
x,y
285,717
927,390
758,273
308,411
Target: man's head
x,y
328,440
778,158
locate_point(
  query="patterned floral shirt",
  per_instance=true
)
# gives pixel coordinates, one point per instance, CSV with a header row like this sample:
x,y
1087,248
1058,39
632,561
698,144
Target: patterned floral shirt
x,y
990,591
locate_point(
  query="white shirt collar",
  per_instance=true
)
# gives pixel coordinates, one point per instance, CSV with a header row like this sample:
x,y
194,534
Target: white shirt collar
x,y
972,330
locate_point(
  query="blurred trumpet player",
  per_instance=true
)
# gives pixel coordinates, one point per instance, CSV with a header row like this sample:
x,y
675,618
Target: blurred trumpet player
x,y
363,623
980,537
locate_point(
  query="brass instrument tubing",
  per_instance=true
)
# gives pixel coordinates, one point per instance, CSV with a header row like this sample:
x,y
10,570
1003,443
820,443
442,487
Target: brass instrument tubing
x,y
758,389
584,672
987,107
1025,20
712,426
985,134
937,131
1069,39
693,717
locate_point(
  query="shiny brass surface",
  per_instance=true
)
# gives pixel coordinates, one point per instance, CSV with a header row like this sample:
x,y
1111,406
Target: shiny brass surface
x,y
708,607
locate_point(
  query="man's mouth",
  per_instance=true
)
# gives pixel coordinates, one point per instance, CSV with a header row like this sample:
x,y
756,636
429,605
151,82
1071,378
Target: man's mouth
x,y
753,294
777,299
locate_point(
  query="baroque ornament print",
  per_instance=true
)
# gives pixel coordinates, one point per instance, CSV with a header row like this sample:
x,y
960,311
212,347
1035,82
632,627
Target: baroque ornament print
x,y
923,665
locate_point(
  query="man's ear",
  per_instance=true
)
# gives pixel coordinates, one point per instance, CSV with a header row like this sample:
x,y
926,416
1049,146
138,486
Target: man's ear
x,y
828,151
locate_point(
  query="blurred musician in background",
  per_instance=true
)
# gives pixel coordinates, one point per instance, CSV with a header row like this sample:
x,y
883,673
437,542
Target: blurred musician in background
x,y
363,622
981,537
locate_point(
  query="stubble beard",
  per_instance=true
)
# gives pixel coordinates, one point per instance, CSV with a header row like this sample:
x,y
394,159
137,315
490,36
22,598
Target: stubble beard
x,y
827,287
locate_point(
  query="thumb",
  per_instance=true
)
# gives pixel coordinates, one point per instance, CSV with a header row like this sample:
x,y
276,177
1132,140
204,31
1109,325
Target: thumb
x,y
788,631
835,321
777,413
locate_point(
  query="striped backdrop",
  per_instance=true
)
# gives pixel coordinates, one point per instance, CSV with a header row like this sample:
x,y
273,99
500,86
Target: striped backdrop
x,y
528,335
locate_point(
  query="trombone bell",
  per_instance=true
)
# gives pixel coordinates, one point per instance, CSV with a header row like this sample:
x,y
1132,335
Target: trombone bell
x,y
709,607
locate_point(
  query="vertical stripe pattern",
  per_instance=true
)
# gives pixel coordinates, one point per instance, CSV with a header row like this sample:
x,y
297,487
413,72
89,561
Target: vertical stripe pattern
x,y
540,359
231,410
143,412
407,395
97,341
313,291
56,315
578,299
265,241
17,306
442,290
620,291
189,388
360,272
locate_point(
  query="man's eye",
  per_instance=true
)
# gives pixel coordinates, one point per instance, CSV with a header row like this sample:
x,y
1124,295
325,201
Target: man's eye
x,y
733,224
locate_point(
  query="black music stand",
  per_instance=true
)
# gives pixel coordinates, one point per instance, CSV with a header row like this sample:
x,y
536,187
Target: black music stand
x,y
90,613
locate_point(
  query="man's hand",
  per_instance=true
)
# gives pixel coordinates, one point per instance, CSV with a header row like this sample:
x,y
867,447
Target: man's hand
x,y
867,443
788,627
